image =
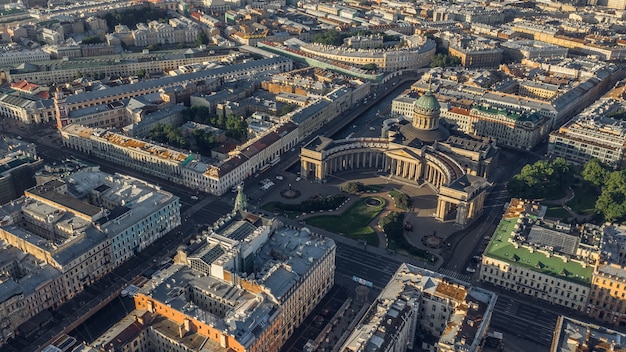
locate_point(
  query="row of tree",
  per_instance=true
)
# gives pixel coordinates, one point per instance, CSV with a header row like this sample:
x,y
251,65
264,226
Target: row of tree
x,y
540,179
235,127
334,37
314,203
612,185
131,17
549,177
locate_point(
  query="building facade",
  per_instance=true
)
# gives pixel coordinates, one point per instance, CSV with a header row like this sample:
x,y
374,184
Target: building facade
x,y
64,235
522,257
248,292
457,169
451,315
583,139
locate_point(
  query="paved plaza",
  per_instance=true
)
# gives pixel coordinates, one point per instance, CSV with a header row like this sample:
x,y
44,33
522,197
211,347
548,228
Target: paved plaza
x,y
427,233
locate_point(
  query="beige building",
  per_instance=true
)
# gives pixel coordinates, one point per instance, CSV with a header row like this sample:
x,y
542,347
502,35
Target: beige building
x,y
582,139
477,57
450,315
607,297
64,235
246,286
179,166
416,52
548,261
456,166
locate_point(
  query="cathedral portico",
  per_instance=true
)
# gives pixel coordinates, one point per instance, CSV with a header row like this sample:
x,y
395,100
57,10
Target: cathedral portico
x,y
410,152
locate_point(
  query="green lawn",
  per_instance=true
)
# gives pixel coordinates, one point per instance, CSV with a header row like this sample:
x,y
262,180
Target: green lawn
x,y
557,212
585,197
499,247
353,223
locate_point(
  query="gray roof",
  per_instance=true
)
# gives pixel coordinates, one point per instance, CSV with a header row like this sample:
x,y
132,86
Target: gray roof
x,y
172,80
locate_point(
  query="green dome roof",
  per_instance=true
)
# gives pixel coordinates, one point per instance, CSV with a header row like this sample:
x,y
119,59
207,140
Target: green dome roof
x,y
427,103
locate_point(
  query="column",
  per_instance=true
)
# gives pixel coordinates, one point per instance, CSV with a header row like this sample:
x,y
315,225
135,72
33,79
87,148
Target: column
x,y
442,209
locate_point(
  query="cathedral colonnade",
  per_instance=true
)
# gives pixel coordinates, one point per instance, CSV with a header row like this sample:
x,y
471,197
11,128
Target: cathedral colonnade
x,y
408,168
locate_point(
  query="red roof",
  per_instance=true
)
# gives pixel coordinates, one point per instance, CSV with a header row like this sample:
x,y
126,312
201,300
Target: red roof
x,y
459,111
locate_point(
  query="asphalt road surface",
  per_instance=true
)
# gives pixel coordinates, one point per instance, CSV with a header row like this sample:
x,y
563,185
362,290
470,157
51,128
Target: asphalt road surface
x,y
524,320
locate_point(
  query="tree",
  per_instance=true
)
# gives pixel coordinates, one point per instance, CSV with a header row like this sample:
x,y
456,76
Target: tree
x,y
141,73
287,108
92,40
541,178
370,67
353,187
201,38
612,200
595,172
330,37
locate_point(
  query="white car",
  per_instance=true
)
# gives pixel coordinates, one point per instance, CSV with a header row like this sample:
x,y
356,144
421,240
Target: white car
x,y
469,269
279,177
194,197
298,178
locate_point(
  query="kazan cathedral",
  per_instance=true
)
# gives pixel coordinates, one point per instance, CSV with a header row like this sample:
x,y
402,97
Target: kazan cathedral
x,y
419,152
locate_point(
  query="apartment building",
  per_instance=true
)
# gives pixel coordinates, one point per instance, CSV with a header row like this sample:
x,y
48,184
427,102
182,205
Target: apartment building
x,y
18,57
452,315
18,163
532,49
65,234
607,297
574,335
519,130
245,286
585,138
64,105
477,55
190,170
416,53
548,261
153,33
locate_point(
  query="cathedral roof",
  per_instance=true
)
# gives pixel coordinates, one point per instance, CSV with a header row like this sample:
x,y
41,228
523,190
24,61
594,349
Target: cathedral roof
x,y
427,103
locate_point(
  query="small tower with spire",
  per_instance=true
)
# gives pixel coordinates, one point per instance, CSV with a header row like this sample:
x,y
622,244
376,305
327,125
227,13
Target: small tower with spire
x,y
240,201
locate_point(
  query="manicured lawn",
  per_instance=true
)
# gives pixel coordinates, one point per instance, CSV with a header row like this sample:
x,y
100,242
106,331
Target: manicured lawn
x,y
585,197
557,212
353,223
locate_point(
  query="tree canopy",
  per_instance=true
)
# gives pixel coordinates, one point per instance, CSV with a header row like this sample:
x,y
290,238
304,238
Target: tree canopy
x,y
541,178
168,134
595,172
234,126
131,17
612,200
94,39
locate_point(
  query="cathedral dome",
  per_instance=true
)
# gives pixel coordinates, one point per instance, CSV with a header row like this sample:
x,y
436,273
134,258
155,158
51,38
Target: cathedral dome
x,y
427,103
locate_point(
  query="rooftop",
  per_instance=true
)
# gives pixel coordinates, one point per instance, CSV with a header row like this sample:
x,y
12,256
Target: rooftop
x,y
572,336
501,247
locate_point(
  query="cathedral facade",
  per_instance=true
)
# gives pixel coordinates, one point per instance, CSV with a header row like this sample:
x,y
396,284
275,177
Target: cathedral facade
x,y
418,152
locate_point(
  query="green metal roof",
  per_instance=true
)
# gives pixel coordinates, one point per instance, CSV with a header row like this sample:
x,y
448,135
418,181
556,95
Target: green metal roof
x,y
500,248
427,103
